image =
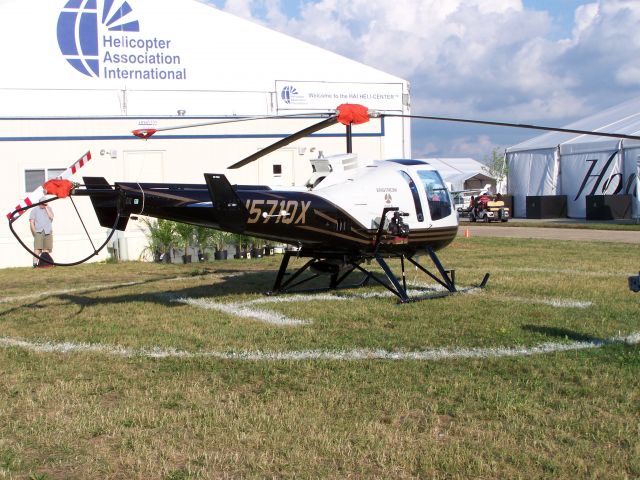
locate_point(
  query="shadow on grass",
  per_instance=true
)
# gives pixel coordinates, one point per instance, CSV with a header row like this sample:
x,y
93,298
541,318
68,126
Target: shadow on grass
x,y
563,333
230,282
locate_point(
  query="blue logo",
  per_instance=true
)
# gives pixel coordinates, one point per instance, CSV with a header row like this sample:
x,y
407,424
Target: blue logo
x,y
288,93
78,31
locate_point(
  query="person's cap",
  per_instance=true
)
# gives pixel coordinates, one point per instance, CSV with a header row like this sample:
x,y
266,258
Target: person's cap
x,y
42,199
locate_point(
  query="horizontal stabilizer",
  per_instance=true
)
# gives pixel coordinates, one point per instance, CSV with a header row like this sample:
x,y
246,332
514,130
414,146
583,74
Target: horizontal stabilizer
x,y
105,204
229,210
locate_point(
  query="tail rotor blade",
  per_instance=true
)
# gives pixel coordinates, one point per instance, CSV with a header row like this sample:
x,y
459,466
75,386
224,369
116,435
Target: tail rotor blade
x,y
35,196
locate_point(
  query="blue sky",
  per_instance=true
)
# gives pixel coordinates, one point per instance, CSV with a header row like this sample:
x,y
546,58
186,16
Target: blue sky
x,y
548,62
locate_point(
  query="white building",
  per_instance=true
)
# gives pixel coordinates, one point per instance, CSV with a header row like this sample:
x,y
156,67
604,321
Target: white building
x,y
80,75
463,173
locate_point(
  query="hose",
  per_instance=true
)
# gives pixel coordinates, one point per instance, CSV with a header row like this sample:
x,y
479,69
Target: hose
x,y
96,251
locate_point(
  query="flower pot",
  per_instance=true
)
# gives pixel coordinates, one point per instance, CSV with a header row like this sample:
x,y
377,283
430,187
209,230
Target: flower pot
x,y
256,253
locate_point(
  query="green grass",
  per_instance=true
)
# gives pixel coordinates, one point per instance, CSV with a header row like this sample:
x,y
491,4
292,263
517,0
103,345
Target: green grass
x,y
95,415
633,227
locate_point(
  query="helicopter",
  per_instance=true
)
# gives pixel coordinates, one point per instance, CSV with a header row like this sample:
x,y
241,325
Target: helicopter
x,y
343,219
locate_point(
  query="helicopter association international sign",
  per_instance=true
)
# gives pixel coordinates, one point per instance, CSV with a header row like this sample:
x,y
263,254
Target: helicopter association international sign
x,y
308,95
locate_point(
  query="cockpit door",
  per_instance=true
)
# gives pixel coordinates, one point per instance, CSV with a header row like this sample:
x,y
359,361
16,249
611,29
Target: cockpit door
x,y
415,194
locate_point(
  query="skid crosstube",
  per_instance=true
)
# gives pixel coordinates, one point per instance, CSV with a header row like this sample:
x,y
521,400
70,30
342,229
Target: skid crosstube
x,y
337,277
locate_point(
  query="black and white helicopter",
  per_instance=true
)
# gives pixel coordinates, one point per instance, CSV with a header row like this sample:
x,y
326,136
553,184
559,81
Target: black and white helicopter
x,y
342,220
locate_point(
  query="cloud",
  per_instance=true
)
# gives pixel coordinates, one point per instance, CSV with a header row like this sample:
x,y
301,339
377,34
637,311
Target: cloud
x,y
489,59
603,51
241,8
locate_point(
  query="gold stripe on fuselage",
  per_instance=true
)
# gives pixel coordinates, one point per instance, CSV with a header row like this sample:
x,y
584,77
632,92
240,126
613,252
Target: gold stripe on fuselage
x,y
420,236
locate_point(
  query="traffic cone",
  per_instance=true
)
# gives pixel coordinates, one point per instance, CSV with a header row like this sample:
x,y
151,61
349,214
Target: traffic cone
x,y
466,233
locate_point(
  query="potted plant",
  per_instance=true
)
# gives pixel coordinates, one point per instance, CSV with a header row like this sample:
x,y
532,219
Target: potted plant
x,y
257,247
220,240
204,238
161,239
241,243
186,233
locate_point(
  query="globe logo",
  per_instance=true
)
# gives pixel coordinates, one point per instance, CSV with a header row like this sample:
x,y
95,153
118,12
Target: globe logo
x,y
288,93
78,31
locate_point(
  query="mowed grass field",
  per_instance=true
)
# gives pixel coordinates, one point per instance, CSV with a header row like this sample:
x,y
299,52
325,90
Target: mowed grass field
x,y
138,370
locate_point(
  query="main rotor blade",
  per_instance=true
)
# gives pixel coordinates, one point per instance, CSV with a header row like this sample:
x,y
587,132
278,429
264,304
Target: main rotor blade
x,y
145,133
517,125
286,141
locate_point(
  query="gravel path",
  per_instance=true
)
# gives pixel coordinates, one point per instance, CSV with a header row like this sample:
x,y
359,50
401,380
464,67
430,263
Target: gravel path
x,y
551,233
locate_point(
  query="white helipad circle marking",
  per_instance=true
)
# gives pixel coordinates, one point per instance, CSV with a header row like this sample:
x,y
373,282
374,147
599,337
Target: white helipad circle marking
x,y
247,310
244,309
341,355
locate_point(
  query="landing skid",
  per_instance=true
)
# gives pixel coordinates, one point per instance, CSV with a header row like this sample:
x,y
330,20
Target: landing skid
x,y
446,278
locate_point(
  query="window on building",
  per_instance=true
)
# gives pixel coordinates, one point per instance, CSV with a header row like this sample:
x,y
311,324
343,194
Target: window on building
x,y
54,172
277,170
33,178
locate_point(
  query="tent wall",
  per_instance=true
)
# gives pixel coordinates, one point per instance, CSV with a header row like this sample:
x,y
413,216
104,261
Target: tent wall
x,y
589,173
531,173
584,172
631,178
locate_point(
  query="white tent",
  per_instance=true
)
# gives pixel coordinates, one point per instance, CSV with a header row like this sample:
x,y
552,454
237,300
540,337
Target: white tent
x,y
80,75
579,165
463,173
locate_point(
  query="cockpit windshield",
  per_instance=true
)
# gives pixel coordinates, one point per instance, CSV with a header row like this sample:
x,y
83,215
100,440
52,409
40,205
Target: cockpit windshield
x,y
437,194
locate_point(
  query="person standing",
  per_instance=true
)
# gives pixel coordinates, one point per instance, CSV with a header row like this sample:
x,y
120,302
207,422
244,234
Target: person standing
x,y
41,223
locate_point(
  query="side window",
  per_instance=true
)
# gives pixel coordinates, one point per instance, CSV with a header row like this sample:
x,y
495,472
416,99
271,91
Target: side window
x,y
437,194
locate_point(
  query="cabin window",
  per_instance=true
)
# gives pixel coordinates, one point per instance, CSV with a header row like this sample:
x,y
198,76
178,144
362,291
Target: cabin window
x,y
437,194
277,170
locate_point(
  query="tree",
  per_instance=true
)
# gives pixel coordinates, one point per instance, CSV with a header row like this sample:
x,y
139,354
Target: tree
x,y
496,166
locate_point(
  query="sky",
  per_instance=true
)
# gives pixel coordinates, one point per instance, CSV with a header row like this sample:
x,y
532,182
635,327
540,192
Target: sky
x,y
545,62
